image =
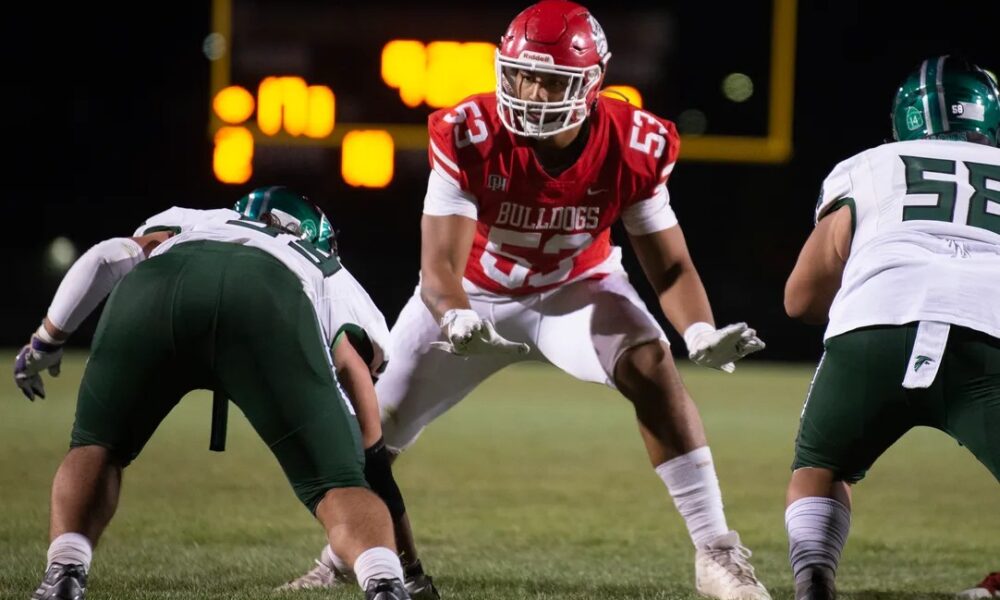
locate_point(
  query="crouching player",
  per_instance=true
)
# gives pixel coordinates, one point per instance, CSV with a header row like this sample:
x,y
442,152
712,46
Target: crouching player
x,y
904,261
252,303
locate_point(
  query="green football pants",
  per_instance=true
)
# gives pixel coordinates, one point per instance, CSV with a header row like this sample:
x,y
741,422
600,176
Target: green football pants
x,y
857,406
230,318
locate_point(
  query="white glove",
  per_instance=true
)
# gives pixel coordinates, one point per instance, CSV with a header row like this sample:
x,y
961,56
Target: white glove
x,y
468,334
720,348
35,357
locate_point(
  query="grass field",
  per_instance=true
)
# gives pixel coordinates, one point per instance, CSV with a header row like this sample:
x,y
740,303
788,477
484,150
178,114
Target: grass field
x,y
535,487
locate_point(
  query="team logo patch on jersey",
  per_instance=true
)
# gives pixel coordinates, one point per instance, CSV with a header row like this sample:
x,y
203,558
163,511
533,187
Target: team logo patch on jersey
x,y
914,119
921,361
496,183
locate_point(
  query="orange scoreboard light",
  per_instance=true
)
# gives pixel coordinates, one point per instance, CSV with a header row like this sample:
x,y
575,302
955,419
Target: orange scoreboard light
x,y
359,82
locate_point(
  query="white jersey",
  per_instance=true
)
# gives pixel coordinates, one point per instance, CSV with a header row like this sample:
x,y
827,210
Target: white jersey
x,y
926,243
341,304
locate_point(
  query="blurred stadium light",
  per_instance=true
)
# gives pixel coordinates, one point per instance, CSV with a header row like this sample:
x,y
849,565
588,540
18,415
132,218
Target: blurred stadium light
x,y
61,254
234,105
232,159
737,87
367,158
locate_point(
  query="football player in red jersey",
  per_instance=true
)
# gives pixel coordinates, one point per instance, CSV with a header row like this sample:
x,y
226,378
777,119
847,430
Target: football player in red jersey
x,y
517,264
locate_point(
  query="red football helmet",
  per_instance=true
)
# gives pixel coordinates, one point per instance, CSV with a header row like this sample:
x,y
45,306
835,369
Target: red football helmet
x,y
553,39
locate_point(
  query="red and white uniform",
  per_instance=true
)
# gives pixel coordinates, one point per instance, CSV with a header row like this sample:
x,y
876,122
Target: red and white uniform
x,y
535,231
542,266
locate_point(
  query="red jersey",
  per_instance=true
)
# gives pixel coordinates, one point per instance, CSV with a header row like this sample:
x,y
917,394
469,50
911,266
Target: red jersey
x,y
536,231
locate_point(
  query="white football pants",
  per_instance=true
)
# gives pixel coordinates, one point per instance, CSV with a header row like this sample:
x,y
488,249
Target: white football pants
x,y
582,327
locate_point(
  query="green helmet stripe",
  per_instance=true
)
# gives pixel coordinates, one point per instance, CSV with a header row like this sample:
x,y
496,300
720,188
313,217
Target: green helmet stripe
x,y
939,85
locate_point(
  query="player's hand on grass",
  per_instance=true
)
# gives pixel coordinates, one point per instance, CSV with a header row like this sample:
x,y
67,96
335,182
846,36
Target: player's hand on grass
x,y
35,357
721,348
468,335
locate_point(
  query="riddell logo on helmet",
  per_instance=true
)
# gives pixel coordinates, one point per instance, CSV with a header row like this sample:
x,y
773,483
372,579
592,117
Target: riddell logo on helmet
x,y
537,57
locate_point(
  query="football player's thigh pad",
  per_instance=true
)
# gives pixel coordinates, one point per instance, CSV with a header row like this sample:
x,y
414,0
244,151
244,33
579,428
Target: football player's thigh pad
x,y
587,325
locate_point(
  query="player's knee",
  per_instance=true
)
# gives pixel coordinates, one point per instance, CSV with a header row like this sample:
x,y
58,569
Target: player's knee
x,y
641,366
115,455
378,472
312,490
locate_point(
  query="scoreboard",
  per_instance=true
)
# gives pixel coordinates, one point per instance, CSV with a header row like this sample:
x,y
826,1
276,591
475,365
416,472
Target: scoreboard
x,y
360,80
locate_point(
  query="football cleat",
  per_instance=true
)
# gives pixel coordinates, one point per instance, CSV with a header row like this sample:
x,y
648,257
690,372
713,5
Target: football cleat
x,y
62,582
319,577
987,588
386,589
815,583
421,587
723,571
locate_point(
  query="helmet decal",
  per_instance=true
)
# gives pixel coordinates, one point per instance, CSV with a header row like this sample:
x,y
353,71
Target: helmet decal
x,y
914,120
600,40
969,110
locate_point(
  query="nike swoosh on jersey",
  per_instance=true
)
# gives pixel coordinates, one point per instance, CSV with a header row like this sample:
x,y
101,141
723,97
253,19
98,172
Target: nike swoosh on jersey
x,y
593,192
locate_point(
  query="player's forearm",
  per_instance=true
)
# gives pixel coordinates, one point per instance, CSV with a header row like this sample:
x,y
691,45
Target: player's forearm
x,y
441,290
54,332
684,301
809,299
668,266
89,281
444,250
356,381
815,279
360,392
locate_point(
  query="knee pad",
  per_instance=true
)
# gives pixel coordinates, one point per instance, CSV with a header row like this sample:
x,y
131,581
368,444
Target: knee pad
x,y
378,473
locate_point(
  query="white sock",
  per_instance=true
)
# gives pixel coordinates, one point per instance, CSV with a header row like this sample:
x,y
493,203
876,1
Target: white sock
x,y
70,549
330,559
693,485
377,563
817,531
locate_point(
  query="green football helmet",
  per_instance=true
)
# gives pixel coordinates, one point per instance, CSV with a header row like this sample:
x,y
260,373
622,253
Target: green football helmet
x,y
947,98
280,207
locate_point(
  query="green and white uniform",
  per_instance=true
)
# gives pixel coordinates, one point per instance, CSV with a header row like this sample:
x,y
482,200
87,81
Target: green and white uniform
x,y
914,332
926,235
342,305
233,306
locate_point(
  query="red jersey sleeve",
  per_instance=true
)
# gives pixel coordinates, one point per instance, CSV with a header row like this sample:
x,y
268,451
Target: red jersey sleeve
x,y
458,138
650,146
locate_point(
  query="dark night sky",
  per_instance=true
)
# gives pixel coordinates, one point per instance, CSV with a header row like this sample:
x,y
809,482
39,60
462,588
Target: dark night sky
x,y
106,124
